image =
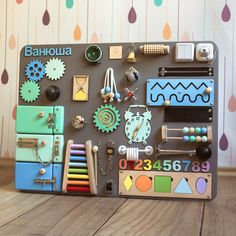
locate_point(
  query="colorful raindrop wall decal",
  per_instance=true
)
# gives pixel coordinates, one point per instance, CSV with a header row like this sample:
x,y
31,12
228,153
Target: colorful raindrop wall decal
x,y
225,14
223,143
19,1
232,100
4,77
12,42
185,36
14,112
46,16
158,3
69,4
77,33
94,38
132,16
232,103
166,31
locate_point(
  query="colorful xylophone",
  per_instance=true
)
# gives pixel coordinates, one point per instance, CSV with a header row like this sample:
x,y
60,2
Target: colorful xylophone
x,y
79,168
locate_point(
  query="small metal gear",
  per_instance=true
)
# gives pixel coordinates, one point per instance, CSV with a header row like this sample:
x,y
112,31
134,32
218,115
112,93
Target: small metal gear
x,y
55,69
35,70
29,91
106,118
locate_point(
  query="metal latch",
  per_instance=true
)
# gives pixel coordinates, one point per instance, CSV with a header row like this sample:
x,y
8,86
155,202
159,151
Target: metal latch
x,y
56,148
45,181
27,142
51,120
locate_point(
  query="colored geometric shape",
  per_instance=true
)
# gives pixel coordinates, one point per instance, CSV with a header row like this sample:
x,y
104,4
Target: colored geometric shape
x,y
143,183
162,184
128,182
180,92
183,187
201,185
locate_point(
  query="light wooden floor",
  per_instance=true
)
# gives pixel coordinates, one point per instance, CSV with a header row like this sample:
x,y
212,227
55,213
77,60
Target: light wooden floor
x,y
46,214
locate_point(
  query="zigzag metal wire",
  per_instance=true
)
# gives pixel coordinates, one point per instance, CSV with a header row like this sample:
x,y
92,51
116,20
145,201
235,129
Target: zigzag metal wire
x,y
179,84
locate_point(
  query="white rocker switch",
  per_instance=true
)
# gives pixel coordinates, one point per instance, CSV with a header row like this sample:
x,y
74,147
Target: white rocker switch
x,y
184,52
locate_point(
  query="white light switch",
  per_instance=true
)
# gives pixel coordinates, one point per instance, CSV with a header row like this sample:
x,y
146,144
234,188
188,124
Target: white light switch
x,y
184,52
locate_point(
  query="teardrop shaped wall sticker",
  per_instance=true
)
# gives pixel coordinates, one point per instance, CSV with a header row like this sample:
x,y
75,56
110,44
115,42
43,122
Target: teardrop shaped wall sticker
x,y
4,77
14,112
69,4
232,100
94,38
185,36
232,104
158,3
46,18
223,143
19,1
12,42
132,16
225,14
166,31
77,33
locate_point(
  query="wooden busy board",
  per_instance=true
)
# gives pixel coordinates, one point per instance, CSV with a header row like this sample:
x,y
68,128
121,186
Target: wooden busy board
x,y
140,119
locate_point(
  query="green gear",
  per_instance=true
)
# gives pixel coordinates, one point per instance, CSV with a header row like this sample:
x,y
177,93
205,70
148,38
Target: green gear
x,y
29,91
55,69
106,118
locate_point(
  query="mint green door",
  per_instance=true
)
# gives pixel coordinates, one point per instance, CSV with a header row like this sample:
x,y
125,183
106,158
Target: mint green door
x,y
40,119
34,148
34,119
39,148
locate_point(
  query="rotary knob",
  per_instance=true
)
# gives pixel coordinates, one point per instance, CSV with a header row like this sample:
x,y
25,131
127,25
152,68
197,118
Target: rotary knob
x,y
52,93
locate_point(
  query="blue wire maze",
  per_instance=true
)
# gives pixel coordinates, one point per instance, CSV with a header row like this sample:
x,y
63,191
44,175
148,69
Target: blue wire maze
x,y
180,92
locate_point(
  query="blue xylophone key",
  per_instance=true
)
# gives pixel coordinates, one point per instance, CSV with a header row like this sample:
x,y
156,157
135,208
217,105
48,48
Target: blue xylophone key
x,y
77,164
78,158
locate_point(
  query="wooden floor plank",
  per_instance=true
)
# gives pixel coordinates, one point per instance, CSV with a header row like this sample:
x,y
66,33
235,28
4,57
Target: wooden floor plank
x,y
65,215
220,214
14,204
88,217
7,171
155,217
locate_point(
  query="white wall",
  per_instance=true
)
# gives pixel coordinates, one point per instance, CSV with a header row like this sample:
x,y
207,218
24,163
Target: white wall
x,y
75,21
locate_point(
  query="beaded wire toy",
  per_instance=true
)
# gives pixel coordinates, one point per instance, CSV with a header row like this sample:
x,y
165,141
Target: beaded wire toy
x,y
109,91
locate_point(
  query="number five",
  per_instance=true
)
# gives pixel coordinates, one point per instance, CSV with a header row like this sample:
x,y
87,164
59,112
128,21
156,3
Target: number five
x,y
167,165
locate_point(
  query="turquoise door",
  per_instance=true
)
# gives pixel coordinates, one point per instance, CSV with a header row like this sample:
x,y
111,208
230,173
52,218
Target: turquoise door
x,y
40,119
34,119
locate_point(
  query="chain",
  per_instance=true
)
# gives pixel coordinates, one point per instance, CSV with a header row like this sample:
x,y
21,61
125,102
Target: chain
x,y
40,159
110,152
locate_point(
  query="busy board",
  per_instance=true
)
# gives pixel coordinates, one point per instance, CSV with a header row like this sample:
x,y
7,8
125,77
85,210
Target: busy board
x,y
118,119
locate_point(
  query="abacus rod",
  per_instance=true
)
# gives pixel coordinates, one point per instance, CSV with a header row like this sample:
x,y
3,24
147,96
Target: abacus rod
x,y
173,129
174,138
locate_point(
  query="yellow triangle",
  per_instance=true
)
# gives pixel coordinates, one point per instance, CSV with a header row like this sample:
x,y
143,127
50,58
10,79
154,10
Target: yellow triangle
x,y
80,95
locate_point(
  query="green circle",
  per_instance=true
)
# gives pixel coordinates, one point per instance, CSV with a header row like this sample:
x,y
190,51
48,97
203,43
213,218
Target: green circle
x,y
93,53
192,138
198,130
204,139
185,130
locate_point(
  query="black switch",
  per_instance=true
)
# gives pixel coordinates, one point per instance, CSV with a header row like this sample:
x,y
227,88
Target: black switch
x,y
110,186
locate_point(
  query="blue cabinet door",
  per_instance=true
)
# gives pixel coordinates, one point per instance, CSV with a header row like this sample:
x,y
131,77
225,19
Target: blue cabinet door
x,y
28,176
35,176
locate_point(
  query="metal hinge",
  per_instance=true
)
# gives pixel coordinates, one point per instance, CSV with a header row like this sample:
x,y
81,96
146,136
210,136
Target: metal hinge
x,y
51,120
56,148
27,142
